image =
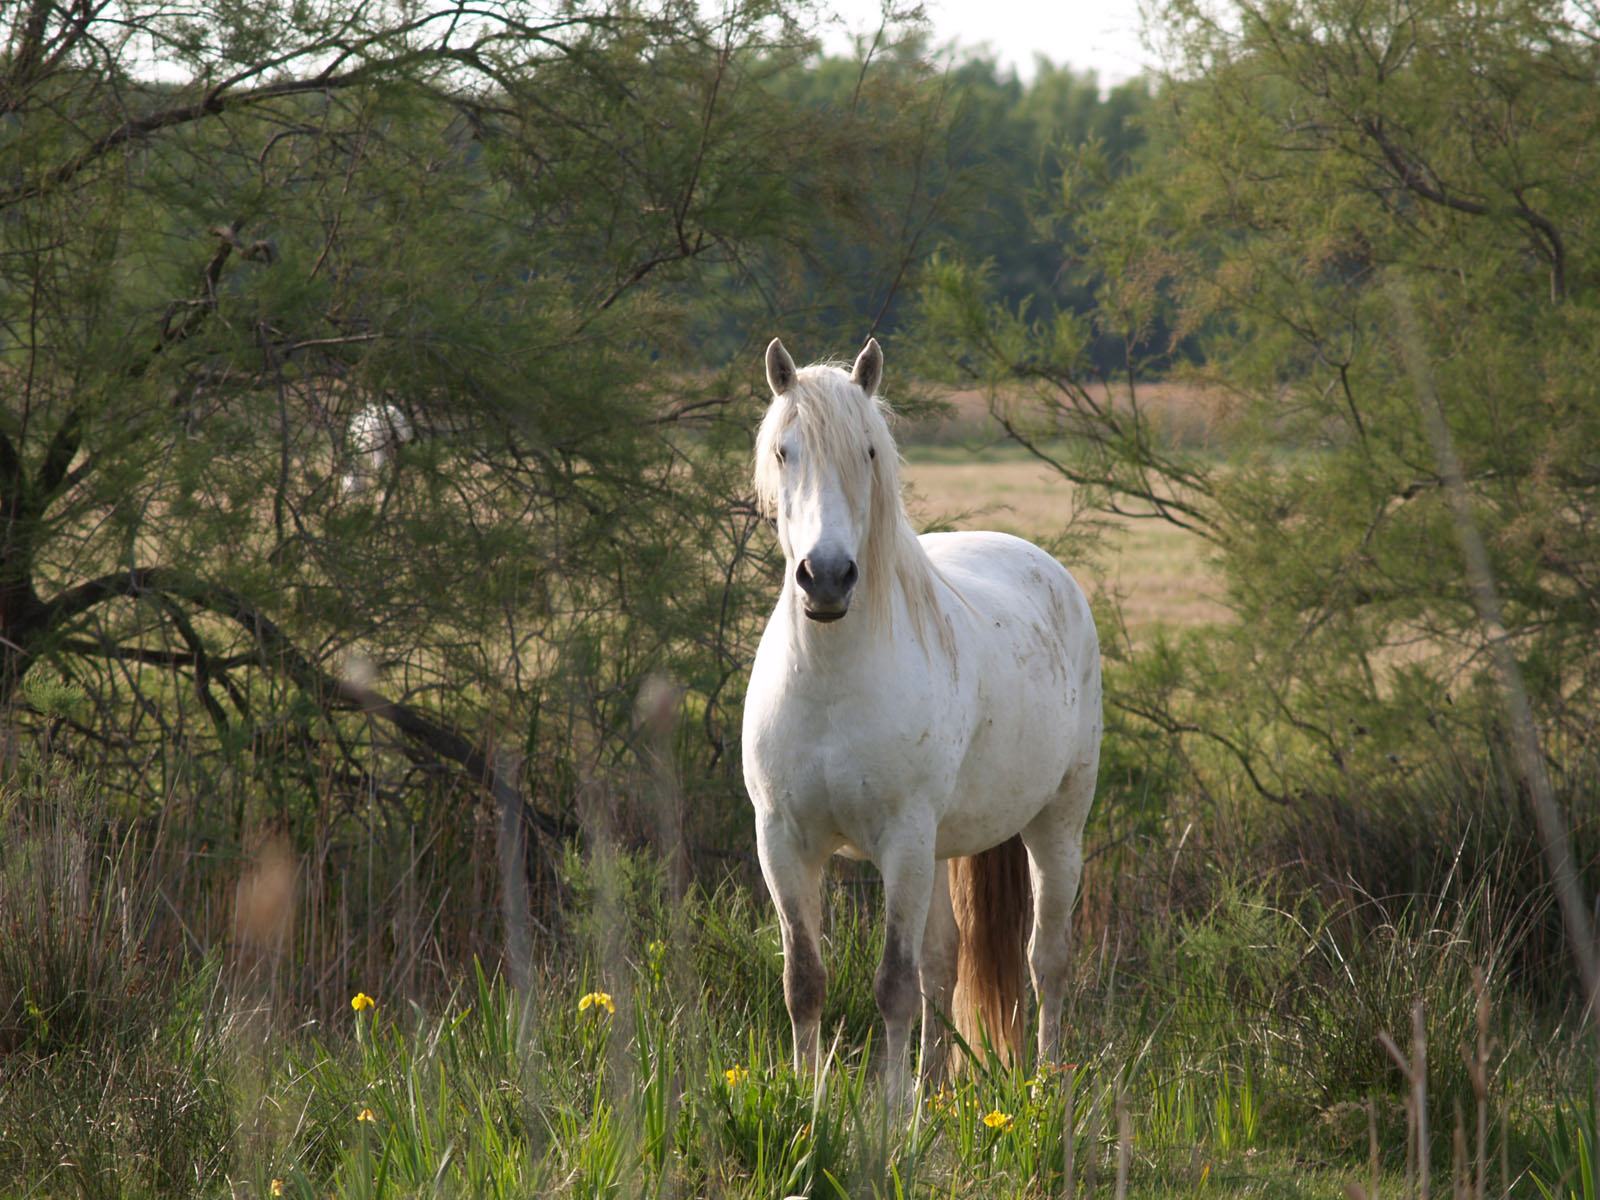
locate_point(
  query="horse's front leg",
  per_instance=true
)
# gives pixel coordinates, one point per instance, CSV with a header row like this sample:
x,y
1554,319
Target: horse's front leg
x,y
908,868
795,880
941,944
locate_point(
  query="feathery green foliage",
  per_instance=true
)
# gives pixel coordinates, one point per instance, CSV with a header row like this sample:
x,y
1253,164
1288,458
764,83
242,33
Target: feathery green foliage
x,y
1309,160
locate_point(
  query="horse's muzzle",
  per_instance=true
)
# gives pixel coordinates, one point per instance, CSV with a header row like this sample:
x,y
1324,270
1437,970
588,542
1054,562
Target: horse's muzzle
x,y
827,582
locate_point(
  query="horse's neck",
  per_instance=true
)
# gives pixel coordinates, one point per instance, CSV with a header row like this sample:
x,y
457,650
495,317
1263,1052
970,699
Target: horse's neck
x,y
915,584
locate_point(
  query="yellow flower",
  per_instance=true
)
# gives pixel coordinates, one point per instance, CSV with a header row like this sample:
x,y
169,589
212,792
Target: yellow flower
x,y
277,1187
735,1075
361,1000
998,1120
597,1000
366,1115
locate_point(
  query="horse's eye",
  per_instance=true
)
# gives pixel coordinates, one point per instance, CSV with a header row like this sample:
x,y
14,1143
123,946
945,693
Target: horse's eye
x,y
783,456
872,452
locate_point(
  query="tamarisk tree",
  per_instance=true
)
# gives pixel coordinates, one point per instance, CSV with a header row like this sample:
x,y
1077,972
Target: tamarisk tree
x,y
1318,170
226,228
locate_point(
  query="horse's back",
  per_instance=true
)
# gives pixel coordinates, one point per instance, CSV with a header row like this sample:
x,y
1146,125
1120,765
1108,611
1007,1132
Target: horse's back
x,y
1029,633
1000,577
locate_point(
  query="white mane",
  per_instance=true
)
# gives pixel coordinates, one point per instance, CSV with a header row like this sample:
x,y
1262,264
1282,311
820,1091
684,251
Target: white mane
x,y
836,422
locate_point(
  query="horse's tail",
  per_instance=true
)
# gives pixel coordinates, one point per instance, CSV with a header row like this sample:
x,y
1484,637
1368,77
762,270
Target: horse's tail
x,y
993,900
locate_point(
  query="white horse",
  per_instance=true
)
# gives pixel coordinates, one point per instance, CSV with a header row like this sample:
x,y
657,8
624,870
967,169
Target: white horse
x,y
375,433
914,699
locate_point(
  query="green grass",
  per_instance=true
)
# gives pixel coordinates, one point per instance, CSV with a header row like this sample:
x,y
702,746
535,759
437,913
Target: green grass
x,y
500,1094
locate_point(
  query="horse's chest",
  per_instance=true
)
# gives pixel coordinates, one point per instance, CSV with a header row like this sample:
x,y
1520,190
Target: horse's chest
x,y
836,755
857,793
852,762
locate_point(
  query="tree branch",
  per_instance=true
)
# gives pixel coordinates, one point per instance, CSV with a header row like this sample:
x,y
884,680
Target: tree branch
x,y
214,102
1408,173
1167,724
278,651
58,457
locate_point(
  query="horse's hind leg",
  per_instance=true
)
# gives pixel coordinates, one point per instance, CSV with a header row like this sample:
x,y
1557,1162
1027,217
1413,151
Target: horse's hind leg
x,y
795,881
941,942
1054,840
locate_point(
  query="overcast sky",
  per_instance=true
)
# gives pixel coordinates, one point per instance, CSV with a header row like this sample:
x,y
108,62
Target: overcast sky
x,y
1097,35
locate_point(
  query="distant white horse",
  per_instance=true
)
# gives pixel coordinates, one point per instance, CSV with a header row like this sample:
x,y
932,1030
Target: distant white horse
x,y
376,432
914,700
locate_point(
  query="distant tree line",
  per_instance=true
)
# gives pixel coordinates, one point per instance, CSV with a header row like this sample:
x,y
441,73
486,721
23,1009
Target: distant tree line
x,y
993,166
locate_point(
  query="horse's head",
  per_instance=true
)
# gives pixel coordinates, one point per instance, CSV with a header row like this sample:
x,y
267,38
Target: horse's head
x,y
824,473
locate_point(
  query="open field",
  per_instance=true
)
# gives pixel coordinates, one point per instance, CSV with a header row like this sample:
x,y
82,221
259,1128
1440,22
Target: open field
x,y
1157,571
1181,413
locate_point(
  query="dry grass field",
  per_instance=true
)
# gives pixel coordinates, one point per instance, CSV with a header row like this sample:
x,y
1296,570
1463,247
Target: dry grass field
x,y
960,477
1182,413
1159,572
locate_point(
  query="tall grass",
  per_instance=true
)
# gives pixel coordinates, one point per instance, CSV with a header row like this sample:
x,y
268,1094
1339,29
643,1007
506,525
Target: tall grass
x,y
1229,1047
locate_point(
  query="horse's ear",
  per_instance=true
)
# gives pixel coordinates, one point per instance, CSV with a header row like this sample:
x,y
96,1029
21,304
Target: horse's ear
x,y
869,367
780,368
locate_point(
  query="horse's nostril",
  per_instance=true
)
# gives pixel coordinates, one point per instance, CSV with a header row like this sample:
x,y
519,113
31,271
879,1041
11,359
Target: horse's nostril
x,y
802,575
848,579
